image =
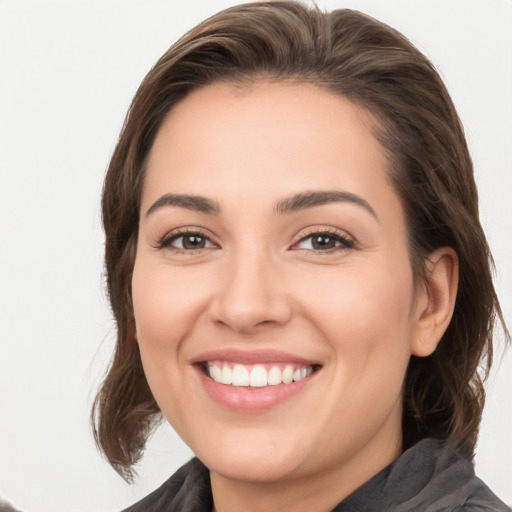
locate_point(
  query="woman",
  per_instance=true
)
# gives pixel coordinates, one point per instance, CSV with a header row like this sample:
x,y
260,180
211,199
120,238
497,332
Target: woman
x,y
300,281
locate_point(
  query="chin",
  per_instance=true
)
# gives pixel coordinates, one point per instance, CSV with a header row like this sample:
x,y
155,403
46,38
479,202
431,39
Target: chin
x,y
253,460
255,470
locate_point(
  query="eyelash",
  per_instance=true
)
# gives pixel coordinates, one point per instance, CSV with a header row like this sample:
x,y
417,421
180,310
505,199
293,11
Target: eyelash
x,y
339,237
166,241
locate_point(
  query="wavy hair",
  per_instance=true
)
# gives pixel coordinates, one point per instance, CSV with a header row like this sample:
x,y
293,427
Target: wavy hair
x,y
377,68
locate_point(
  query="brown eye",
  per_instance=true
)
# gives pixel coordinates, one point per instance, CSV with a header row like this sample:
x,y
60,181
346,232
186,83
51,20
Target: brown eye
x,y
325,242
192,242
186,242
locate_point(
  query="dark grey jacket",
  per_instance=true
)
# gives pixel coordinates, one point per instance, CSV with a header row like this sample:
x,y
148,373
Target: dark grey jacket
x,y
429,477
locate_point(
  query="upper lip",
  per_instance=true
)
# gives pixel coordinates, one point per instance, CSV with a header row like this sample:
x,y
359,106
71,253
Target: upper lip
x,y
251,357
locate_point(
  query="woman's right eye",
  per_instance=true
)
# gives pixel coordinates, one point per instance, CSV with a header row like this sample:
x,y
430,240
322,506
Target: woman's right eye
x,y
186,242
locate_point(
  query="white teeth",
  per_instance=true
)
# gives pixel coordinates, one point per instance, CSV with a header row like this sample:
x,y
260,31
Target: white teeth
x,y
256,376
216,373
240,376
275,376
227,375
288,375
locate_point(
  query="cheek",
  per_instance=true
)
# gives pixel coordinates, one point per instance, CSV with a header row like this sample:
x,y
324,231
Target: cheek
x,y
164,305
154,316
364,313
166,308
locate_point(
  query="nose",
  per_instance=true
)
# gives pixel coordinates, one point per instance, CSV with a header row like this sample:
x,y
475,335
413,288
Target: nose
x,y
251,295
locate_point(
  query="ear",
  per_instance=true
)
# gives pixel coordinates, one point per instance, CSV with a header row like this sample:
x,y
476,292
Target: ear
x,y
435,301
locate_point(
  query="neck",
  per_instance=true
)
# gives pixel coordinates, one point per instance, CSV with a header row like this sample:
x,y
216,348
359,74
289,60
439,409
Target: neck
x,y
319,491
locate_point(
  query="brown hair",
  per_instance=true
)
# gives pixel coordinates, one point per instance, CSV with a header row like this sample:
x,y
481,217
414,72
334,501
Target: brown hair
x,y
355,56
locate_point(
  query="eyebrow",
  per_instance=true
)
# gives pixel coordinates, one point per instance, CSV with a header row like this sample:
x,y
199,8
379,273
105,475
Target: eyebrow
x,y
197,203
318,198
292,204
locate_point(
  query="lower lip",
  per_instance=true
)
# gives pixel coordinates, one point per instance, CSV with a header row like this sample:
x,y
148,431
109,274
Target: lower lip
x,y
252,399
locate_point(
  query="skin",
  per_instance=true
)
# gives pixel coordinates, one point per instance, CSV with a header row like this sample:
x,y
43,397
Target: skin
x,y
257,283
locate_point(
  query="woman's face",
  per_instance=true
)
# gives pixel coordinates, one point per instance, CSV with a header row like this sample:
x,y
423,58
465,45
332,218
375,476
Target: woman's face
x,y
273,294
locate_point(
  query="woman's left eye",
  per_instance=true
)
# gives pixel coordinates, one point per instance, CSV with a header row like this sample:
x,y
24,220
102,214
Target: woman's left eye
x,y
324,242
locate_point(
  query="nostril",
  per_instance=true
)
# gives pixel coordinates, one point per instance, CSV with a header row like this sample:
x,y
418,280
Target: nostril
x,y
246,317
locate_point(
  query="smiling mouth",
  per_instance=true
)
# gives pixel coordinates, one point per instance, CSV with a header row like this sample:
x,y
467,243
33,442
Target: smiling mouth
x,y
256,376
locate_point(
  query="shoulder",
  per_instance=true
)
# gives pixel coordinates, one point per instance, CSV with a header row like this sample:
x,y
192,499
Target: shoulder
x,y
452,485
448,481
432,476
188,490
481,499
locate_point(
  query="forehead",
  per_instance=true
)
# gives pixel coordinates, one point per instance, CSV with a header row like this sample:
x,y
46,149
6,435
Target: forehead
x,y
264,141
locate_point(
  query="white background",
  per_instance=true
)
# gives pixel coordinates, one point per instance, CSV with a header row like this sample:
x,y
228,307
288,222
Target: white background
x,y
68,72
